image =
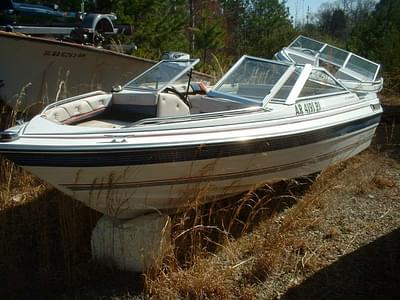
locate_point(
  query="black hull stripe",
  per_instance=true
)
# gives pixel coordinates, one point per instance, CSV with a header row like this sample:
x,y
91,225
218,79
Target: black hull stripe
x,y
132,157
218,177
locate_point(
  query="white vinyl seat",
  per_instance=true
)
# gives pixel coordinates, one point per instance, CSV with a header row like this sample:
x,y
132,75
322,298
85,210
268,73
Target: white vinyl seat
x,y
170,105
134,98
99,101
57,114
68,111
77,108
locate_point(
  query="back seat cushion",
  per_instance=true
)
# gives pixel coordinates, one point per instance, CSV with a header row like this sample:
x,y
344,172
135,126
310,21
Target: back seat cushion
x,y
146,99
99,101
77,108
170,105
135,103
57,114
71,112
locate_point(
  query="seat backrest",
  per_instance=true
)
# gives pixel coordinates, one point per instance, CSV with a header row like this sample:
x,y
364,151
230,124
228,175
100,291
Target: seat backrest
x,y
170,105
99,101
83,106
134,98
135,102
57,114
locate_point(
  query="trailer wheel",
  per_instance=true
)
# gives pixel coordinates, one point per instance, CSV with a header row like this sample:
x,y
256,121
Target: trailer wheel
x,y
103,26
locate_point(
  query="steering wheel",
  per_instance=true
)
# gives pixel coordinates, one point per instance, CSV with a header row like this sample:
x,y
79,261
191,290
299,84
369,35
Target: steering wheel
x,y
179,94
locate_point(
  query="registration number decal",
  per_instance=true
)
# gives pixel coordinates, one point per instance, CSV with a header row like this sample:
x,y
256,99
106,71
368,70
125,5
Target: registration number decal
x,y
64,54
307,108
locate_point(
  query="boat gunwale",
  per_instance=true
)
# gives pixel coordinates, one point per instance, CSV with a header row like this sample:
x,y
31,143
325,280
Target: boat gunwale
x,y
154,132
173,154
96,148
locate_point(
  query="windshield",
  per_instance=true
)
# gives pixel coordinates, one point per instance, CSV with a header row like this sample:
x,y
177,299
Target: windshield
x,y
249,80
356,66
161,75
306,43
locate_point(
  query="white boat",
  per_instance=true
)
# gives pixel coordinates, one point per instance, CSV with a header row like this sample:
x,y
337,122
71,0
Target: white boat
x,y
159,142
355,72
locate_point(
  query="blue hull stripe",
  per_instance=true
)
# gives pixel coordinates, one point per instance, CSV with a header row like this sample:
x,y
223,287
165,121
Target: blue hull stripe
x,y
208,178
132,157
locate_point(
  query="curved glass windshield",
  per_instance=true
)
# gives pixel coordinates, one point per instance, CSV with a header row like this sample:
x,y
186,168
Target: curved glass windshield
x,y
161,75
250,80
357,67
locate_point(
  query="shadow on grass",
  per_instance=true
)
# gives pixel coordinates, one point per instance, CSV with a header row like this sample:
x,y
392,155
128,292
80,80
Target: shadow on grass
x,y
45,243
371,272
45,253
387,137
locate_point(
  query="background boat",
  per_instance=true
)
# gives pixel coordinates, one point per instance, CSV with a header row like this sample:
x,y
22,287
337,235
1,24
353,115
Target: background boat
x,y
35,71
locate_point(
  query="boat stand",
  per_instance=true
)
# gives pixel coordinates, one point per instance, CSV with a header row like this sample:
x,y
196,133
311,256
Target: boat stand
x,y
132,245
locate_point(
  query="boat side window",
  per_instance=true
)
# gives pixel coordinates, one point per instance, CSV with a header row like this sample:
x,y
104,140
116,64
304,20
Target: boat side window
x,y
303,42
334,55
343,75
331,68
319,83
362,66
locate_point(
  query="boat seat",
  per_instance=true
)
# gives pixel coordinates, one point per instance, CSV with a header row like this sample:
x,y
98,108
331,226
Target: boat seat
x,y
134,98
72,112
170,105
77,108
57,114
195,100
135,102
99,101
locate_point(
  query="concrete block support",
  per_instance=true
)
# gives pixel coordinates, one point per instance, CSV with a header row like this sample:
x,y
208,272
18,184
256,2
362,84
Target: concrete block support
x,y
131,245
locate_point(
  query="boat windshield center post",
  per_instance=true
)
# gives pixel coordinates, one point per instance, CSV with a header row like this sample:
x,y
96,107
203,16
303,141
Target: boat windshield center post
x,y
299,84
275,89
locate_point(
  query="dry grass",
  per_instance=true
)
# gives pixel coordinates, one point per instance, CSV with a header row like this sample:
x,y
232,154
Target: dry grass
x,y
256,247
44,235
286,246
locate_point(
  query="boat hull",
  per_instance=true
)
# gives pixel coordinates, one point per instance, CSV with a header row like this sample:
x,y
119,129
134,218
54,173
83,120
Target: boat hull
x,y
127,191
36,71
